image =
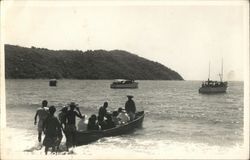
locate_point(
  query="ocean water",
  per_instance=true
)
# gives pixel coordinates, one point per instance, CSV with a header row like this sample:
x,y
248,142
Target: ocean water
x,y
178,122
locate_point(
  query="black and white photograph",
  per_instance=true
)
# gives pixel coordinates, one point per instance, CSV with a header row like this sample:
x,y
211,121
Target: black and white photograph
x,y
124,79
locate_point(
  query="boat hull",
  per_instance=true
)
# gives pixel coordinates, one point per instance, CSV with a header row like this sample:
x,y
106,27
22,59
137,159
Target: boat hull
x,y
208,90
87,137
131,85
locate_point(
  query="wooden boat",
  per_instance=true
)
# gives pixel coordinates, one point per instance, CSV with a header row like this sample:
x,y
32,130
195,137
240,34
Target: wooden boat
x,y
52,82
123,83
210,87
86,137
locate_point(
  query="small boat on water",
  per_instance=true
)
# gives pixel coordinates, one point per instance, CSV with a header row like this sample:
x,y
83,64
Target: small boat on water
x,y
213,87
86,137
124,83
52,82
210,87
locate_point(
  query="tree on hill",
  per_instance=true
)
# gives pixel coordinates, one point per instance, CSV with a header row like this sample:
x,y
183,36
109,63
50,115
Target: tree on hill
x,y
21,62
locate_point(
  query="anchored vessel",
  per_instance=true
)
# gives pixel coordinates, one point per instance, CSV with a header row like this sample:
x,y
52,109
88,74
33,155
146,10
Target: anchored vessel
x,y
124,83
52,82
210,86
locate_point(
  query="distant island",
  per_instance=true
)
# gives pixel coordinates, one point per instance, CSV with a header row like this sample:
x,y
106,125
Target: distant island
x,y
40,63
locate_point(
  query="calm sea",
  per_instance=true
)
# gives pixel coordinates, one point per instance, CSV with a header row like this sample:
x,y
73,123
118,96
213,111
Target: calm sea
x,y
178,119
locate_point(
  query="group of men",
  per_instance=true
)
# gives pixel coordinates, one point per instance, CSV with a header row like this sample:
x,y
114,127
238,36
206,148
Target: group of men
x,y
53,127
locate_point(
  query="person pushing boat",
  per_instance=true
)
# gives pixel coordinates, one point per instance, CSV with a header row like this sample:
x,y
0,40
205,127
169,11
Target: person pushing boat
x,y
71,124
52,130
42,113
62,116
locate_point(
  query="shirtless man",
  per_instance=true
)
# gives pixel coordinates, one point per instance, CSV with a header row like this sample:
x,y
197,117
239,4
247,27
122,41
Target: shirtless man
x,y
71,124
42,113
52,130
103,110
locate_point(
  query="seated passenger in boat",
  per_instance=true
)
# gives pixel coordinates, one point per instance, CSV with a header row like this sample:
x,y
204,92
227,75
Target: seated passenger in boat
x,y
131,116
82,125
109,122
92,125
123,116
115,119
102,123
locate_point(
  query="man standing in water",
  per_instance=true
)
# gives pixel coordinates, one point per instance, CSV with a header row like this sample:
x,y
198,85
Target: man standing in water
x,y
52,130
42,113
71,124
62,117
130,107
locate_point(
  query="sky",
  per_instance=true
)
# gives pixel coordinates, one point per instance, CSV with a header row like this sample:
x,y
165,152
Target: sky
x,y
182,36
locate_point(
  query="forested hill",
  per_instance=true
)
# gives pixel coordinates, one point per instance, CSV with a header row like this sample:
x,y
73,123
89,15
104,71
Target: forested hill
x,y
21,62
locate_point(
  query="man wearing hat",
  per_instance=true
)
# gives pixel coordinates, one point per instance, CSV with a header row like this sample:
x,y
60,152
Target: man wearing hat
x,y
130,107
71,123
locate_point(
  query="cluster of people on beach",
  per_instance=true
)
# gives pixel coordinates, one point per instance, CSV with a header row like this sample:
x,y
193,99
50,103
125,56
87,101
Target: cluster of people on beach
x,y
53,126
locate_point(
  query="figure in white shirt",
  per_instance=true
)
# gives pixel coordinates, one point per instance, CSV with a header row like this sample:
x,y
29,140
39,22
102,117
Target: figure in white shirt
x,y
123,116
82,124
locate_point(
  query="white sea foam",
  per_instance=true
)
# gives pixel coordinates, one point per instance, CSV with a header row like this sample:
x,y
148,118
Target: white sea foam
x,y
22,145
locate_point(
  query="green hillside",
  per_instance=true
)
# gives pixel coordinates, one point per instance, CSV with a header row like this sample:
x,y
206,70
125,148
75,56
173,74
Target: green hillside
x,y
21,62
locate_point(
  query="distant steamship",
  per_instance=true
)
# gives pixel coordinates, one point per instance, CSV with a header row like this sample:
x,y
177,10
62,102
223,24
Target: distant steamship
x,y
124,83
210,87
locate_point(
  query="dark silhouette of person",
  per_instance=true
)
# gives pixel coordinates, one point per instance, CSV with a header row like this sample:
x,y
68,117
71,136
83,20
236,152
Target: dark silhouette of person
x,y
92,125
101,122
63,116
130,105
109,122
52,130
115,118
71,124
103,110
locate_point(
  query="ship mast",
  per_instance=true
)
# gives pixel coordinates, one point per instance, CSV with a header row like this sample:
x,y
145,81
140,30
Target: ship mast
x,y
209,72
221,75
